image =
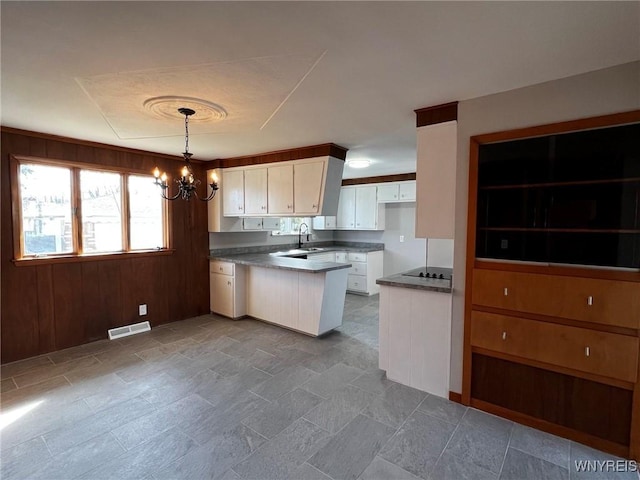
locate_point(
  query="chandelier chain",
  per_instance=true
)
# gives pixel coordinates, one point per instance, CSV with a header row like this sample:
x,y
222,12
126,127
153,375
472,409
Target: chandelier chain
x,y
186,137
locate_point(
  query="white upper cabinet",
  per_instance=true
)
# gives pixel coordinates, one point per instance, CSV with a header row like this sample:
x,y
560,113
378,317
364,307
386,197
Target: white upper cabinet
x,y
280,189
255,191
436,178
358,209
346,218
388,192
407,191
307,187
233,192
397,192
366,208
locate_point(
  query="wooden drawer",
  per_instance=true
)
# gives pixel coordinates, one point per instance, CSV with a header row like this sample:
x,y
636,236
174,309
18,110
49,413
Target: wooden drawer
x,y
359,268
608,302
357,283
357,257
224,268
600,353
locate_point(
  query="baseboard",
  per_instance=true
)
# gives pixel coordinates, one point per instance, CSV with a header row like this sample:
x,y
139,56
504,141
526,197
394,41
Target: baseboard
x,y
455,397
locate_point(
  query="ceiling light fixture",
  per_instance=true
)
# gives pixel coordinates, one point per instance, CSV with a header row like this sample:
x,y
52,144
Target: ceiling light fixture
x,y
359,163
187,183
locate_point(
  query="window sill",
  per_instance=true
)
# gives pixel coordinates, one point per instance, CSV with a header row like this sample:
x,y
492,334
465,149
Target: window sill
x,y
51,259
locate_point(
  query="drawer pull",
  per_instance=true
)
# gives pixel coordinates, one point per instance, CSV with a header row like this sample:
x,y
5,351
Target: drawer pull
x,y
504,335
220,268
229,282
506,291
589,300
587,351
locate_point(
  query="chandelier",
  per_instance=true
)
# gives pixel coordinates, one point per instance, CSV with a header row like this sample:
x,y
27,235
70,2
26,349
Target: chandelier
x,y
187,183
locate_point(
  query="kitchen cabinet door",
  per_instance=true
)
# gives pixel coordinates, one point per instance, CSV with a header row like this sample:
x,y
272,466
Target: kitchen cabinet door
x,y
252,224
346,218
366,213
222,294
255,191
307,187
388,192
324,223
270,223
280,190
407,191
233,193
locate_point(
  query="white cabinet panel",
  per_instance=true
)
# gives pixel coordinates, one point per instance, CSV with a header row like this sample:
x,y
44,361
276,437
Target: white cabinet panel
x,y
251,223
270,223
436,180
341,257
358,209
415,338
407,191
233,192
346,218
324,223
366,268
227,289
388,192
255,185
322,257
280,189
307,187
366,208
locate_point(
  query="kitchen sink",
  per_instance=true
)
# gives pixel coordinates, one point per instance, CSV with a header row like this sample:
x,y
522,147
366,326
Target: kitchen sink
x,y
297,252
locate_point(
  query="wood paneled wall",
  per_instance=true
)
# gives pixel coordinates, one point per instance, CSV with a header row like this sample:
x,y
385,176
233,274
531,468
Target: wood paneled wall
x,y
54,306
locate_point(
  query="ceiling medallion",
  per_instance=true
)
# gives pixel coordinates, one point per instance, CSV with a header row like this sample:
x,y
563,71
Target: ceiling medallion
x,y
167,106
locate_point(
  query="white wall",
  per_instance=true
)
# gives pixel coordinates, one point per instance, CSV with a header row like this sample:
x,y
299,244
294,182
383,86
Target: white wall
x,y
400,219
602,92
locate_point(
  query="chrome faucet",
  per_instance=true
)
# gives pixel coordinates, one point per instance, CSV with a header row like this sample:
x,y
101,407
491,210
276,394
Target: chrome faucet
x,y
300,232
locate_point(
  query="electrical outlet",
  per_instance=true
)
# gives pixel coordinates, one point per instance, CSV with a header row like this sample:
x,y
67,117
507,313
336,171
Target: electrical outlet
x,y
401,238
142,310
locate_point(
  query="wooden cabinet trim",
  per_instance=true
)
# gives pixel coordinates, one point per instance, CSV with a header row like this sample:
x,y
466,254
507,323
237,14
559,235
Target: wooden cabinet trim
x,y
554,368
561,270
600,327
575,435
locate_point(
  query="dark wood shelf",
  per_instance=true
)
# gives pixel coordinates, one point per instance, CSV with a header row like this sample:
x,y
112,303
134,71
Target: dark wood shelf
x,y
559,184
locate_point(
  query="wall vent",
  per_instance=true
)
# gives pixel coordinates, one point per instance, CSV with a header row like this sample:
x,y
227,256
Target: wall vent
x,y
129,330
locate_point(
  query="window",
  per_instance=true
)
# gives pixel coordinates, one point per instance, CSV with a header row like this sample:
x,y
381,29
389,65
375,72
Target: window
x,y
291,226
80,210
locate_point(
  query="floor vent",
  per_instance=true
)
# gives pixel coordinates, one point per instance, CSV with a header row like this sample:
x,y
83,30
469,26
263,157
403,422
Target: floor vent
x,y
129,330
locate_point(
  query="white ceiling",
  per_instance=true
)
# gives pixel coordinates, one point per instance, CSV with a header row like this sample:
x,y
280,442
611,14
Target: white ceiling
x,y
289,74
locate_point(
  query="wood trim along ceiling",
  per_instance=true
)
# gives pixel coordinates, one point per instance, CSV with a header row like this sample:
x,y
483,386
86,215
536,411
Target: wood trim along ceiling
x,y
436,114
402,177
325,149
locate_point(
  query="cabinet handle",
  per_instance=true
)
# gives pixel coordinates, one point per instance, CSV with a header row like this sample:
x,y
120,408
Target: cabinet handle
x,y
506,291
589,300
229,282
220,268
314,206
587,351
504,335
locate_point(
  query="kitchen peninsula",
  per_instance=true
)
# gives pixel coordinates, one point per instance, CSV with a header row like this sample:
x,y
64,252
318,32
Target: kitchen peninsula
x,y
415,328
289,288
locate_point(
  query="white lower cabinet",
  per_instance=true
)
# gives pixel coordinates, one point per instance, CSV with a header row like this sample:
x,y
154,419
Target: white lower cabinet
x,y
366,268
415,338
227,289
311,303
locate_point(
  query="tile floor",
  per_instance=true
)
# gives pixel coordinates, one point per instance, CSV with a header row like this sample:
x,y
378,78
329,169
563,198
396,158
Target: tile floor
x,y
212,398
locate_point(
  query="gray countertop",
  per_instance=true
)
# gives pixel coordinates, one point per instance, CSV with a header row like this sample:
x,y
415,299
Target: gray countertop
x,y
265,260
417,283
362,247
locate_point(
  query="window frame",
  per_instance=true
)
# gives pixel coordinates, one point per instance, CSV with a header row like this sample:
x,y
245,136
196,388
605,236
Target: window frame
x,y
77,253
